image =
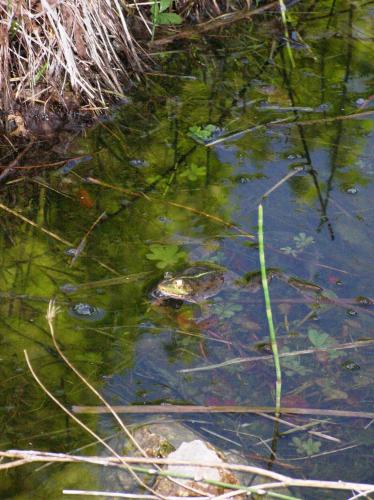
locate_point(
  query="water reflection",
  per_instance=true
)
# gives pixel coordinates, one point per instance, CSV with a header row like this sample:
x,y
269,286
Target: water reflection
x,y
175,198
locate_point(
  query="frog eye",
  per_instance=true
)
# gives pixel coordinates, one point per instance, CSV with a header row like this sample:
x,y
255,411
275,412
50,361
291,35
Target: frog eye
x,y
168,275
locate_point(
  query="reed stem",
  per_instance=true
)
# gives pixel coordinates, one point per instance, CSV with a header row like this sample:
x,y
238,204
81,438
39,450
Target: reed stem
x,y
272,334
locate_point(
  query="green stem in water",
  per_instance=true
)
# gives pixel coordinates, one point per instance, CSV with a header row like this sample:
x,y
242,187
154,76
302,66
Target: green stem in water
x,y
155,12
283,10
273,337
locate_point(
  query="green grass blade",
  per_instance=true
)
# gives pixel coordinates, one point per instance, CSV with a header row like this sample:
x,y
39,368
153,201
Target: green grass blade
x,y
283,10
272,334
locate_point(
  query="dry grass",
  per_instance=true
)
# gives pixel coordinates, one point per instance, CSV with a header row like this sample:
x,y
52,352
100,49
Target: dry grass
x,y
81,51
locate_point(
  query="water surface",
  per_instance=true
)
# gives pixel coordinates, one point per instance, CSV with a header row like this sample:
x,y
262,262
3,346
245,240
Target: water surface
x,y
171,199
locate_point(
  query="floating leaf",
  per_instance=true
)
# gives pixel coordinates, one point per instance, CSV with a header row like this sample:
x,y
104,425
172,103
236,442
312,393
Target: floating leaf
x,y
289,251
302,241
165,255
307,447
226,311
193,172
205,133
319,339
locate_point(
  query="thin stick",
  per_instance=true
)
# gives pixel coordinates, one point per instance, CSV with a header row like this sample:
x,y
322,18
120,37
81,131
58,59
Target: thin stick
x,y
238,361
286,122
32,223
215,23
259,490
237,135
9,169
279,480
135,496
283,180
83,242
298,428
272,334
181,409
318,121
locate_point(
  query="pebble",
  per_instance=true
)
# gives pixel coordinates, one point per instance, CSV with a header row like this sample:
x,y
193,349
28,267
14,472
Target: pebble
x,y
352,190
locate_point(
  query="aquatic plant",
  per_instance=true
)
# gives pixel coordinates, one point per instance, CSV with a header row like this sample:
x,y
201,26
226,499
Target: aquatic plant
x,y
165,255
203,133
272,334
161,15
302,241
307,447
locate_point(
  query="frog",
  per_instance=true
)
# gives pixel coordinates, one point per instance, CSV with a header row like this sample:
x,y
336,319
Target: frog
x,y
194,285
200,282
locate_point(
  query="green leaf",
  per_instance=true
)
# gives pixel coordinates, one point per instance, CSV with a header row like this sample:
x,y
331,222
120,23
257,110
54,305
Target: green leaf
x,y
302,240
226,311
203,134
167,18
289,251
165,4
165,255
193,172
306,447
155,11
319,339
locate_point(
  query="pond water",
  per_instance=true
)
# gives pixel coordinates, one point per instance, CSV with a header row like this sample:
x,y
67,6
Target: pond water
x,y
174,178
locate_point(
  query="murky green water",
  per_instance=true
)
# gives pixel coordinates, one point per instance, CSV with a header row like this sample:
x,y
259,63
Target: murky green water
x,y
172,199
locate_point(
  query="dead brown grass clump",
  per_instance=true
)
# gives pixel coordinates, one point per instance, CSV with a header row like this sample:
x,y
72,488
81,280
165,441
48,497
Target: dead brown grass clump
x,y
76,52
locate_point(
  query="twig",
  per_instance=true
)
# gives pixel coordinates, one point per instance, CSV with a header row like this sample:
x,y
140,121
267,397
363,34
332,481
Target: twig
x,y
181,409
230,494
215,23
9,169
236,361
286,122
279,480
325,120
240,133
297,428
32,223
83,242
282,181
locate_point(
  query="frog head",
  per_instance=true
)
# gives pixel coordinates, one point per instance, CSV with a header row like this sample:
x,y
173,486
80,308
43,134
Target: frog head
x,y
176,288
